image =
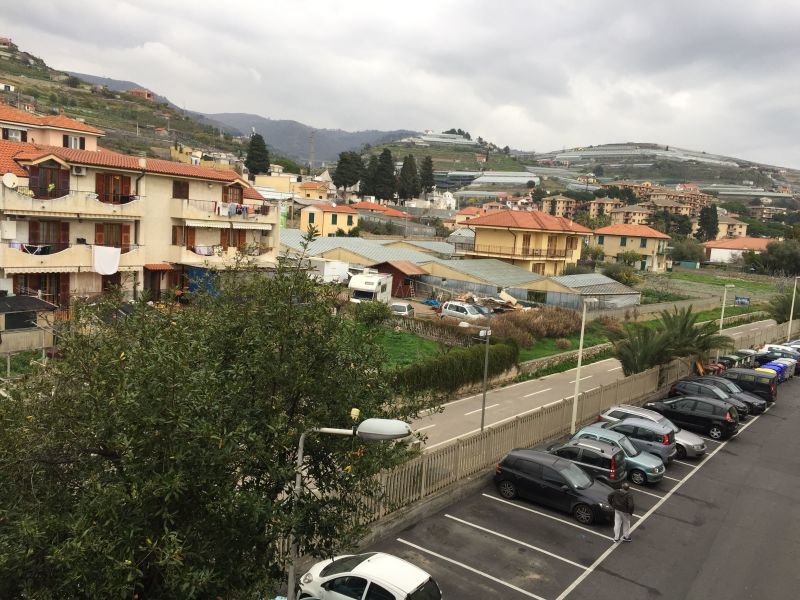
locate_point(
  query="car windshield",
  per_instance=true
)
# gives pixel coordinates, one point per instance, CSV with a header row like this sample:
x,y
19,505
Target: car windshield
x,y
628,447
344,564
472,310
427,591
718,392
730,386
575,476
399,308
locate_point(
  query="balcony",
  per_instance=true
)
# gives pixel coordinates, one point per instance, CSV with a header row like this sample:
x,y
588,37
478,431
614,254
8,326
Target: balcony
x,y
512,252
72,203
261,213
23,257
216,256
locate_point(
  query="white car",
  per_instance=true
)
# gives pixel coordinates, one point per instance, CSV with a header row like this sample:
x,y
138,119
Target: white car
x,y
461,310
370,576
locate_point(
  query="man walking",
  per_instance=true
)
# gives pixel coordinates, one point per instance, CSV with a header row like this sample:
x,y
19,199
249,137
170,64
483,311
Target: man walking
x,y
622,502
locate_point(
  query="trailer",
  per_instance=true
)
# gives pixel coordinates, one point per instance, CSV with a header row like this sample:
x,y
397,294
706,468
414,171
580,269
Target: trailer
x,y
371,286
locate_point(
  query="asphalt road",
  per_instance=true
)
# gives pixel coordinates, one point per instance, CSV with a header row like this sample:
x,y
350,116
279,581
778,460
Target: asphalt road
x,y
726,526
462,417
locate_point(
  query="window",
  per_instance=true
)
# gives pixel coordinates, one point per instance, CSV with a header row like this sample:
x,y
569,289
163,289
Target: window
x,y
344,564
590,457
626,429
684,404
334,218
310,217
14,135
617,414
704,407
530,468
349,219
623,241
646,435
348,586
376,592
570,453
643,243
114,189
20,320
180,189
600,239
427,591
232,194
74,142
552,476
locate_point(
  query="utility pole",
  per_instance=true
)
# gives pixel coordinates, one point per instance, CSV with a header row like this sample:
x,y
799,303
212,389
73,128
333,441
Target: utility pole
x,y
311,153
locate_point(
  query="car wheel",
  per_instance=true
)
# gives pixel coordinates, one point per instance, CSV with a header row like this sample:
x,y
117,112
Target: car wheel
x,y
681,451
715,432
583,514
507,489
638,477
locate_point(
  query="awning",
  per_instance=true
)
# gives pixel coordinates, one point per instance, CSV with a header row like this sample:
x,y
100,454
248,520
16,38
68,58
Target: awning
x,y
41,269
158,267
71,214
211,224
243,225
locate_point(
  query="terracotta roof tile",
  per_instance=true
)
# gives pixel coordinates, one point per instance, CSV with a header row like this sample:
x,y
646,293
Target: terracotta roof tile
x,y
532,219
740,243
8,152
339,208
369,206
632,231
15,115
470,210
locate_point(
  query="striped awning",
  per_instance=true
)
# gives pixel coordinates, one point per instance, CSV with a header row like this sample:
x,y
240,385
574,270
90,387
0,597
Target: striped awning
x,y
209,224
40,269
244,225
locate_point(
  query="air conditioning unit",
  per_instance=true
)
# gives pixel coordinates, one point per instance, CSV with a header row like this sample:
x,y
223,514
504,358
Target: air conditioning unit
x,y
79,171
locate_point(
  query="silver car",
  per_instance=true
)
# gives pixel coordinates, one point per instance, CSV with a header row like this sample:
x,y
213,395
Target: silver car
x,y
648,436
687,444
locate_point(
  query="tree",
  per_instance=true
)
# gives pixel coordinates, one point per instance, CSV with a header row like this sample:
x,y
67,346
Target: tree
x,y
408,185
155,457
687,337
687,250
600,193
369,177
73,81
426,179
780,305
640,348
708,224
506,150
599,171
349,170
257,161
622,273
593,253
385,181
629,257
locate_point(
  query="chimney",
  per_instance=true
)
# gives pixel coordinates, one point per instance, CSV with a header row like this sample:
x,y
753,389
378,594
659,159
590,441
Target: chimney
x,y
142,164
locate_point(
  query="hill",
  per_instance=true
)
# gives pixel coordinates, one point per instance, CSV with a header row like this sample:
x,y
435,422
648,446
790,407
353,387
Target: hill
x,y
294,139
453,158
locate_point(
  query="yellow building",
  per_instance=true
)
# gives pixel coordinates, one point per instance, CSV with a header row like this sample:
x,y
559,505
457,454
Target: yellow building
x,y
327,219
603,206
645,241
559,206
729,228
536,241
635,214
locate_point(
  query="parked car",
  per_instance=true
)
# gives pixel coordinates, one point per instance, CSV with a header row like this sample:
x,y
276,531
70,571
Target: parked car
x,y
747,358
693,387
554,482
463,311
370,575
602,461
648,436
756,382
642,467
402,309
687,444
755,404
716,417
793,352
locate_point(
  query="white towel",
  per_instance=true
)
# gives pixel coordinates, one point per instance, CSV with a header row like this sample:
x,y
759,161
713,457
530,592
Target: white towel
x,y
105,259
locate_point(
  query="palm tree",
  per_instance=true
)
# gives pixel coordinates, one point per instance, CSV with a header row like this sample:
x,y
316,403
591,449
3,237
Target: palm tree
x,y
686,337
779,306
641,348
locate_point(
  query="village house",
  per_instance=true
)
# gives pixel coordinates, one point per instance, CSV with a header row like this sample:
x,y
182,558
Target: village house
x,y
650,244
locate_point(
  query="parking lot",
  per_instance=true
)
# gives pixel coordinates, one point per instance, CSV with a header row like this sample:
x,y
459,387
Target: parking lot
x,y
724,526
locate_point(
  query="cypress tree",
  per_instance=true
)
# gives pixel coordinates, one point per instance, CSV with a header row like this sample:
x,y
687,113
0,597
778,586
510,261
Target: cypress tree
x,y
385,181
408,185
426,174
257,160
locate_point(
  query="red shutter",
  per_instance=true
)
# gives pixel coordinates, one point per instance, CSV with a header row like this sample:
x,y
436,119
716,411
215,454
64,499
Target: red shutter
x,y
63,289
63,233
176,231
126,186
83,143
66,141
16,283
24,136
33,177
63,182
126,238
225,238
190,237
100,186
242,238
99,236
5,133
33,232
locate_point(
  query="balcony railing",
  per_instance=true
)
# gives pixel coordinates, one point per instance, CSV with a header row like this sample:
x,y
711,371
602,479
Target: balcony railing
x,y
45,249
229,209
54,193
217,249
511,251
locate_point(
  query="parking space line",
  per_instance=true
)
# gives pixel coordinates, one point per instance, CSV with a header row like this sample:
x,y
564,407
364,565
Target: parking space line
x,y
537,392
710,440
685,464
672,478
472,412
541,514
521,543
646,493
599,560
471,569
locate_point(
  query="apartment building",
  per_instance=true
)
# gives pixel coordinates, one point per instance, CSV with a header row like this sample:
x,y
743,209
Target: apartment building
x,y
534,240
635,214
650,244
729,227
75,222
603,206
327,219
50,130
559,206
659,203
766,212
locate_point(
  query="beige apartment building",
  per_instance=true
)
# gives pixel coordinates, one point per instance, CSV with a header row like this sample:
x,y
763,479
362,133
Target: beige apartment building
x,y
603,206
534,240
635,214
327,219
645,241
559,206
729,228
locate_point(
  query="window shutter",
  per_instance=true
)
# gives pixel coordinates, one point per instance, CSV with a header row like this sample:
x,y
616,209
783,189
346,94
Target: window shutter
x,y
63,288
100,186
99,237
190,237
126,237
5,133
66,141
63,233
83,143
126,186
225,238
33,232
24,136
242,241
176,232
63,182
33,177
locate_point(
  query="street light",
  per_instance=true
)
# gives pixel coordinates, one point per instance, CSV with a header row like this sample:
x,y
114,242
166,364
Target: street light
x,y
722,312
578,370
791,313
370,430
485,333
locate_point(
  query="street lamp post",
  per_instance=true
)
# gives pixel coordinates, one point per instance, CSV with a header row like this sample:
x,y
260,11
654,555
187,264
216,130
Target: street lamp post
x,y
791,312
485,333
578,370
368,430
722,312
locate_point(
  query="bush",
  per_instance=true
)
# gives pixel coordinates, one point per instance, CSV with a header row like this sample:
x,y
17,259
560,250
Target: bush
x,y
509,329
371,313
612,327
563,343
549,321
622,273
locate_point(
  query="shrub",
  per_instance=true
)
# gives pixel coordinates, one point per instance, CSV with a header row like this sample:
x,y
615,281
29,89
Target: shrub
x,y
509,329
612,327
550,321
623,273
563,343
371,313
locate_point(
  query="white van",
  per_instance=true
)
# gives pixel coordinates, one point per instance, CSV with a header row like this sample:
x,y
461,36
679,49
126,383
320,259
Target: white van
x,y
371,286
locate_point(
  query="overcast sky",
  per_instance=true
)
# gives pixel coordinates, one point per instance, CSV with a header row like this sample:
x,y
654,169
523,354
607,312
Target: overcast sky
x,y
720,76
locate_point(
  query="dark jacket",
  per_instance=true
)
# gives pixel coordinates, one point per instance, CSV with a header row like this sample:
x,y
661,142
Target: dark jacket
x,y
621,500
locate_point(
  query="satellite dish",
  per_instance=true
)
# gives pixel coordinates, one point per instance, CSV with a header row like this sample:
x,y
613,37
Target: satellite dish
x,y
10,180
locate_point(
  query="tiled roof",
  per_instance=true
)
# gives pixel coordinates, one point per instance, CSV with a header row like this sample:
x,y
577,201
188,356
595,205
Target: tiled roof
x,y
740,243
339,208
312,185
368,206
533,219
15,115
637,208
404,266
8,151
632,231
470,210
393,212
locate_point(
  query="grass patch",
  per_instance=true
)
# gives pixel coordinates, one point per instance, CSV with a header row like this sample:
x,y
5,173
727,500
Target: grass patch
x,y
565,366
730,311
708,279
403,348
20,363
651,296
594,335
